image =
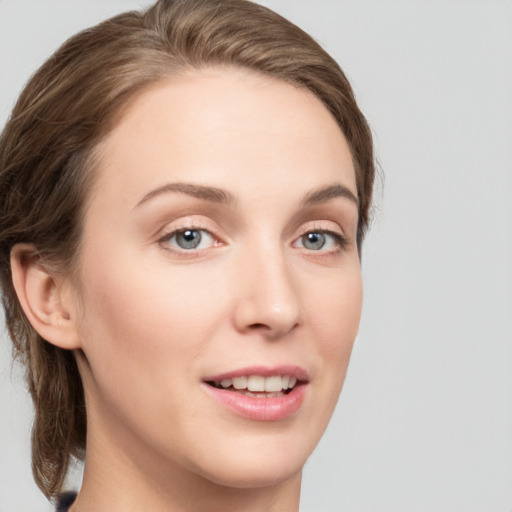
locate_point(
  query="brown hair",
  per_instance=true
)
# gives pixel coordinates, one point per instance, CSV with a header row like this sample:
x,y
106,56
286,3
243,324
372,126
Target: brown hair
x,y
73,100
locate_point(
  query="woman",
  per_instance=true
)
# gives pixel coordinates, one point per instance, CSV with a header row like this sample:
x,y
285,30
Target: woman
x,y
185,193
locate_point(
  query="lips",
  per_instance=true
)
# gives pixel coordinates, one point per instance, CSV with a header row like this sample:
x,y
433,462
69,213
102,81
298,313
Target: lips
x,y
261,394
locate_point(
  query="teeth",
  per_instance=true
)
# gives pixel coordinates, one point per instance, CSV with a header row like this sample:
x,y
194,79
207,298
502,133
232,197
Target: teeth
x,y
240,382
273,384
226,383
262,395
257,383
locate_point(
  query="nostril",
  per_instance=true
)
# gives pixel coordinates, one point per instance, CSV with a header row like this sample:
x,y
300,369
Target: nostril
x,y
258,326
270,331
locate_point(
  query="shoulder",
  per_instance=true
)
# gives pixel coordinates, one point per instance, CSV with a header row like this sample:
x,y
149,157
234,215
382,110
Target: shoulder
x,y
64,501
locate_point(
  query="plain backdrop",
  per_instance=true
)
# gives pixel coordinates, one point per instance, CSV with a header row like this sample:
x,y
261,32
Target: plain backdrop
x,y
424,423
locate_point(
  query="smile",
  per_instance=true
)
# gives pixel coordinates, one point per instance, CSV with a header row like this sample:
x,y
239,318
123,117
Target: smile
x,y
258,386
261,394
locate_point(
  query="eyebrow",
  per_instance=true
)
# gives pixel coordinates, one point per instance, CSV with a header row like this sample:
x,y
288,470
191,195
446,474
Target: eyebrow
x,y
213,194
330,192
221,196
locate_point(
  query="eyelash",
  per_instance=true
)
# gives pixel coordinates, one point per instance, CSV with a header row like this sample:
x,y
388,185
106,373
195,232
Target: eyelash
x,y
339,240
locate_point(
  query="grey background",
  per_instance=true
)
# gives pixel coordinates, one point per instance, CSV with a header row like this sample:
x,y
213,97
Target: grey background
x,y
425,418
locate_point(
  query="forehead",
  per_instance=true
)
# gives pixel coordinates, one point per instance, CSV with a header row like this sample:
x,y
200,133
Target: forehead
x,y
226,125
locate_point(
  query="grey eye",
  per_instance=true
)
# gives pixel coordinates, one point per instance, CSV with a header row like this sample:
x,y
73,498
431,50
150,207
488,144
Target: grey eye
x,y
313,241
189,239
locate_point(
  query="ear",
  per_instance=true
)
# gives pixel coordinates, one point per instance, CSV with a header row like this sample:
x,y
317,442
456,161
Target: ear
x,y
46,300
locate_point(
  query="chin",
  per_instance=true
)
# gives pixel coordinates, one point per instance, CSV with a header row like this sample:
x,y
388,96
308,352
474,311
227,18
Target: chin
x,y
247,476
257,461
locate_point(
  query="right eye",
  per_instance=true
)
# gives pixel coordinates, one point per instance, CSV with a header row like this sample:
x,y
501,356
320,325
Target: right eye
x,y
189,239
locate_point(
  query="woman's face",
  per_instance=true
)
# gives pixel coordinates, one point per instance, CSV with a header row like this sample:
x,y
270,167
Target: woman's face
x,y
219,252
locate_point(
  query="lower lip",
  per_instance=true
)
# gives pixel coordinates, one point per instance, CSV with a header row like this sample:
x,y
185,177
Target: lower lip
x,y
260,409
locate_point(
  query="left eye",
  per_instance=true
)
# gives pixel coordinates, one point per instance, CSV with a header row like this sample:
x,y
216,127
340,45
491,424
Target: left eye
x,y
189,239
320,240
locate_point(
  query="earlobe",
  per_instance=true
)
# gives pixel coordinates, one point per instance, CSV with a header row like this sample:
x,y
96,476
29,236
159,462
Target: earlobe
x,y
43,299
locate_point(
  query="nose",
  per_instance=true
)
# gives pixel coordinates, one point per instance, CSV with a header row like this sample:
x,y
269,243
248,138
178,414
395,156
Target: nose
x,y
268,300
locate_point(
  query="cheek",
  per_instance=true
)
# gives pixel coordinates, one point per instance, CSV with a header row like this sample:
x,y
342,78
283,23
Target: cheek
x,y
335,312
148,314
144,337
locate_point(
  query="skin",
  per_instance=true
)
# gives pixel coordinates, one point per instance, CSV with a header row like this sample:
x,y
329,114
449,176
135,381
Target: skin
x,y
150,320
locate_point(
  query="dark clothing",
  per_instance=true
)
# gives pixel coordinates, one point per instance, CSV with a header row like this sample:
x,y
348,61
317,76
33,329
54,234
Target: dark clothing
x,y
65,501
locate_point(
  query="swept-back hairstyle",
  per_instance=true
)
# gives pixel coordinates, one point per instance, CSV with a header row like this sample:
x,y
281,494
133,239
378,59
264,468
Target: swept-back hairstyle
x,y
47,159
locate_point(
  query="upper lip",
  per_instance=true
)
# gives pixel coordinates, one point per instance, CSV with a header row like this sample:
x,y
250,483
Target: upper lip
x,y
265,371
